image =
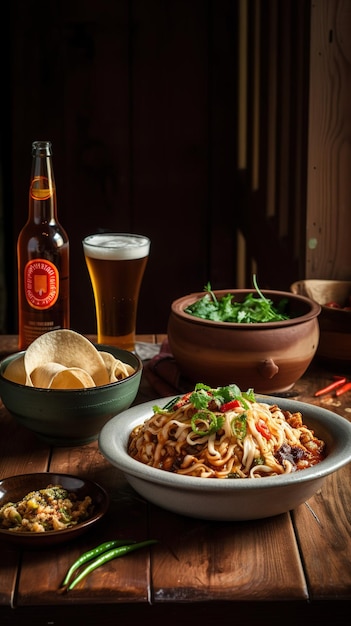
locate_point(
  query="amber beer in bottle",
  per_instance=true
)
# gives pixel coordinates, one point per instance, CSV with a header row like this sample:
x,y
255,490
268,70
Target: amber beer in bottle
x,y
42,256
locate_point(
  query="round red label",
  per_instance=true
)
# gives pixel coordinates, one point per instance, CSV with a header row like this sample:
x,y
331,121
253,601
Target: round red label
x,y
41,283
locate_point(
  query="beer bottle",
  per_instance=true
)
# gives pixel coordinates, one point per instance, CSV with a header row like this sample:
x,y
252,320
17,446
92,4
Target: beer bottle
x,y
42,256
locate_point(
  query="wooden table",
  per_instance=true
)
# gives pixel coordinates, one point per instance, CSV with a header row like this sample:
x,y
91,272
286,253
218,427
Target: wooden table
x,y
281,570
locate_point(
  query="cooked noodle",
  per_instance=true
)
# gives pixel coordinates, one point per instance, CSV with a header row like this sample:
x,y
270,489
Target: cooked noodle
x,y
250,440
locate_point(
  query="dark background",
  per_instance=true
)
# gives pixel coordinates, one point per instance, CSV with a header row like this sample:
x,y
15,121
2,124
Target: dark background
x,y
140,99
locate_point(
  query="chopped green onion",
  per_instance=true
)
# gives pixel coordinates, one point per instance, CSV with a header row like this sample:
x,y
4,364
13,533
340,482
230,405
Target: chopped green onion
x,y
206,423
238,426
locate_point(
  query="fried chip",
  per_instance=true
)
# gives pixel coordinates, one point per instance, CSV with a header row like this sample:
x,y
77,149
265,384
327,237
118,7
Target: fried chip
x,y
55,376
64,359
67,348
15,371
117,370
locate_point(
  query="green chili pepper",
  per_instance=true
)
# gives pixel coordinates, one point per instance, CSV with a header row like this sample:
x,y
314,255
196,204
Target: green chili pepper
x,y
92,554
238,425
170,404
208,419
167,407
109,556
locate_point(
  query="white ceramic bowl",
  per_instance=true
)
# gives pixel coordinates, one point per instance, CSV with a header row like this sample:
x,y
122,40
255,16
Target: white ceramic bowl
x,y
223,499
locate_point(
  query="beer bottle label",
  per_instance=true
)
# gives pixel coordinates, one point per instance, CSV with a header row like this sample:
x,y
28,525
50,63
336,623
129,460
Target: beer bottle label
x,y
41,283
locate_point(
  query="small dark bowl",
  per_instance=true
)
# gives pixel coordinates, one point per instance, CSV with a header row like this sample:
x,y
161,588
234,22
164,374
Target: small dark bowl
x,y
14,488
70,417
335,323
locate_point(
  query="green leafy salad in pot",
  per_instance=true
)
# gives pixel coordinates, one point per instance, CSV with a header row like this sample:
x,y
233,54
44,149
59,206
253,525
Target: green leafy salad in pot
x,y
252,310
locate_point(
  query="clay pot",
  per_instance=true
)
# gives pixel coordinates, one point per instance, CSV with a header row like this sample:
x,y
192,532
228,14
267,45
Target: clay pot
x,y
335,324
268,357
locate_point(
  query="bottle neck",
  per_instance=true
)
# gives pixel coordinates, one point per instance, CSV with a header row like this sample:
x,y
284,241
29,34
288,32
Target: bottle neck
x,y
42,189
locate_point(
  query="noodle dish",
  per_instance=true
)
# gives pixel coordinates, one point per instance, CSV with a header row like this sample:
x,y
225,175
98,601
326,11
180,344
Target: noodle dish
x,y
219,453
224,433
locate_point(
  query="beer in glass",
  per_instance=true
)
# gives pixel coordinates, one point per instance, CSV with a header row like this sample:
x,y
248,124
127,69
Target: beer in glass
x,y
116,263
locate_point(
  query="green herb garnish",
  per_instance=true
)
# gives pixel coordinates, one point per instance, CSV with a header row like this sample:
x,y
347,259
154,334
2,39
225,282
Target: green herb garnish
x,y
203,395
252,310
259,461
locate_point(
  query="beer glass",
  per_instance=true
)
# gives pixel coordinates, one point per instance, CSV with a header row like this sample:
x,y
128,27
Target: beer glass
x,y
116,263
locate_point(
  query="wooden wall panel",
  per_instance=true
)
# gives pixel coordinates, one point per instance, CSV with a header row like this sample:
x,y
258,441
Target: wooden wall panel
x,y
213,127
223,204
170,145
329,154
273,117
138,99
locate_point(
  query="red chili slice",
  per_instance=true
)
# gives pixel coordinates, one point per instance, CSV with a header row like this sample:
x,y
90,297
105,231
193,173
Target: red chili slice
x,y
262,428
228,406
183,400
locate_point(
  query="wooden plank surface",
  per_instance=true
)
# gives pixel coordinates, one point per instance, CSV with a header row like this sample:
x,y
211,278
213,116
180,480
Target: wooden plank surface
x,y
199,560
194,561
323,526
292,557
20,453
121,580
323,533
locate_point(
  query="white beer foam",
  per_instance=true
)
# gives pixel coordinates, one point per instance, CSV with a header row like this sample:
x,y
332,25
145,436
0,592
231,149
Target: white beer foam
x,y
116,247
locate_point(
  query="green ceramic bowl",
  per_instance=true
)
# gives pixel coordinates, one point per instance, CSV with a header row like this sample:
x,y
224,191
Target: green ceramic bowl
x,y
68,417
